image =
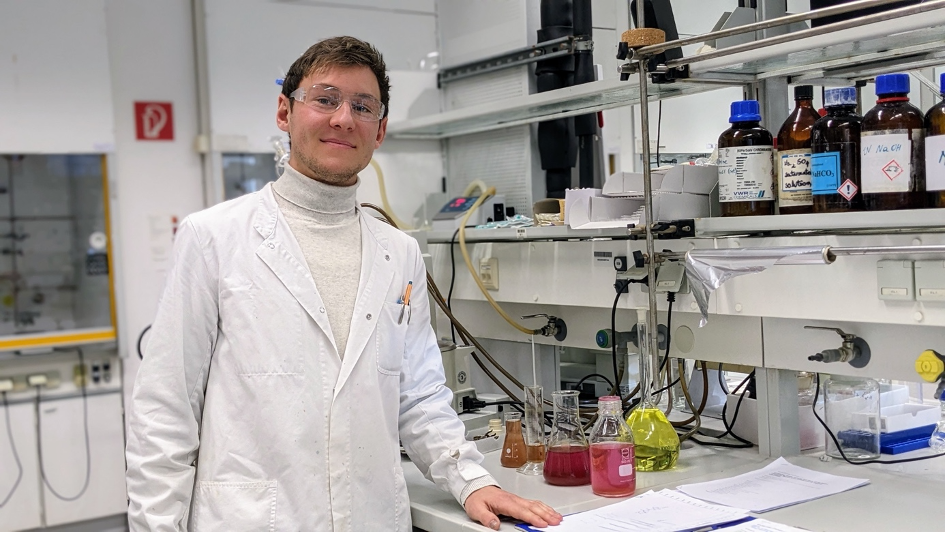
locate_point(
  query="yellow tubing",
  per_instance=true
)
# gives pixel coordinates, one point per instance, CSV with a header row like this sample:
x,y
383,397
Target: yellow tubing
x,y
380,182
475,275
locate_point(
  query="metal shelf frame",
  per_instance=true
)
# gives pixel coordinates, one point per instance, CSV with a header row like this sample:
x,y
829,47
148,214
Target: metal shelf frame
x,y
904,38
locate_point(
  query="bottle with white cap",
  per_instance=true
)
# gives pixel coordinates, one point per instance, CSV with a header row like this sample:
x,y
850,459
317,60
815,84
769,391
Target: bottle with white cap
x,y
835,163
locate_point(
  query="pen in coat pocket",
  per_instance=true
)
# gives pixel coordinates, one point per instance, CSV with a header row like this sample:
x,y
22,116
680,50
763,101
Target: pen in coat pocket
x,y
406,302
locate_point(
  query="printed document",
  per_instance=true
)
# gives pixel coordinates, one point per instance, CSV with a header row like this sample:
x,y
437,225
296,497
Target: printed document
x,y
777,485
666,510
758,525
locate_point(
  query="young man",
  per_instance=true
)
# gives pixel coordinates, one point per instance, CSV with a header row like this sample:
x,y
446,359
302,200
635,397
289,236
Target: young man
x,y
282,368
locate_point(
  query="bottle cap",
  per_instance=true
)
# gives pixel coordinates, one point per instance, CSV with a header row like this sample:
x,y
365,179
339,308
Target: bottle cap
x,y
745,111
840,96
605,402
941,82
804,92
892,84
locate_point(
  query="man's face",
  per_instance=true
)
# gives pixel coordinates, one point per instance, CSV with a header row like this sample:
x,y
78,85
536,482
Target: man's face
x,y
332,147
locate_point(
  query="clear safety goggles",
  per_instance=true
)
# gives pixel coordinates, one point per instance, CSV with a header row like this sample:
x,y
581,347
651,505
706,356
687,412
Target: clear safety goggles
x,y
328,99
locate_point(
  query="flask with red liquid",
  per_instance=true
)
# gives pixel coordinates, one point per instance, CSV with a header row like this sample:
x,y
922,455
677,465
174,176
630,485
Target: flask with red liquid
x,y
567,461
613,473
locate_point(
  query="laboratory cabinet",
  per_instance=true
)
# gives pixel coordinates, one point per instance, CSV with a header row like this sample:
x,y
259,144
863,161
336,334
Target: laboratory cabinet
x,y
96,475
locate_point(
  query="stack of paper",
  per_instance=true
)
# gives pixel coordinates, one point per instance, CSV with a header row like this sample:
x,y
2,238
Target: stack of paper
x,y
666,510
777,485
758,525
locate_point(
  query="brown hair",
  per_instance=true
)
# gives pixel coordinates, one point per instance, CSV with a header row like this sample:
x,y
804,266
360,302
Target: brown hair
x,y
342,52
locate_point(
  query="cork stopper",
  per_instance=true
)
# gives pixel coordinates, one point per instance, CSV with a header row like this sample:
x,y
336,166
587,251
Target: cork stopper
x,y
640,37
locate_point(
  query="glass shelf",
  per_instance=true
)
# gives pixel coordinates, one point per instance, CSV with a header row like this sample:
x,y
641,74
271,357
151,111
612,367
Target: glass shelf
x,y
898,44
890,44
567,102
858,222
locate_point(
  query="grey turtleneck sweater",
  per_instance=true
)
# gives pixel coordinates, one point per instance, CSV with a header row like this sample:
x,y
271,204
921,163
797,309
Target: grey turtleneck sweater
x,y
325,223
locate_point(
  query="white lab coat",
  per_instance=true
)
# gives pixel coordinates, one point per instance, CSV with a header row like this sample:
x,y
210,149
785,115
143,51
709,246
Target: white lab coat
x,y
245,418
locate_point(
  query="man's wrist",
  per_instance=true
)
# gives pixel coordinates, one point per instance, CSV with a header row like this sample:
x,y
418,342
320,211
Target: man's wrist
x,y
474,485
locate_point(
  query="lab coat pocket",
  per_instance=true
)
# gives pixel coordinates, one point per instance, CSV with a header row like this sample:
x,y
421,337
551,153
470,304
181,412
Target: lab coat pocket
x,y
228,506
391,337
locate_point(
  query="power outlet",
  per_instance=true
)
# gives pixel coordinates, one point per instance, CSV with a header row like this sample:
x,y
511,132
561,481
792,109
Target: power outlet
x,y
489,273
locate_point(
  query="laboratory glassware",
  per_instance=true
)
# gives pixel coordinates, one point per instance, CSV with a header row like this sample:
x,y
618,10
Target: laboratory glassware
x,y
656,444
746,164
534,432
835,163
613,471
513,449
567,461
851,408
794,179
935,151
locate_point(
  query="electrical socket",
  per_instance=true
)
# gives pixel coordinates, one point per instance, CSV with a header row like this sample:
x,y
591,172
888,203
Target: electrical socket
x,y
489,273
80,375
37,380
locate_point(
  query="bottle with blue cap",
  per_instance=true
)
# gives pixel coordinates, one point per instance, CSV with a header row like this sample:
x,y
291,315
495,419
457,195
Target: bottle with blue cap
x,y
935,151
746,164
892,149
835,163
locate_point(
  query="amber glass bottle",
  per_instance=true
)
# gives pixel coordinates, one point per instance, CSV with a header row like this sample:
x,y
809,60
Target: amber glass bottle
x,y
835,163
746,161
935,151
892,156
793,158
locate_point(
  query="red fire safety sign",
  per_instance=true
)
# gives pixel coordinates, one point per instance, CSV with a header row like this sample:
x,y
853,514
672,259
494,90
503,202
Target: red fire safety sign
x,y
154,121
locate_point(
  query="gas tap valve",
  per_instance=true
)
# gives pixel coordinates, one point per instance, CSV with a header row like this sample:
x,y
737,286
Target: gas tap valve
x,y
854,350
555,327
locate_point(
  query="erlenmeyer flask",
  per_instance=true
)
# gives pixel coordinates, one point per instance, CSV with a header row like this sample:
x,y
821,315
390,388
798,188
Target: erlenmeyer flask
x,y
655,440
567,461
513,449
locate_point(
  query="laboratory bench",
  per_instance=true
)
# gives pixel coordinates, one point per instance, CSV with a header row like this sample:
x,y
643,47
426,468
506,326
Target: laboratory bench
x,y
902,497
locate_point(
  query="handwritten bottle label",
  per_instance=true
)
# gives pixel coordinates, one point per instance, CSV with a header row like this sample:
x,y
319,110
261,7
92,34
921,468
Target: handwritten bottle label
x,y
935,163
885,162
825,173
746,174
794,178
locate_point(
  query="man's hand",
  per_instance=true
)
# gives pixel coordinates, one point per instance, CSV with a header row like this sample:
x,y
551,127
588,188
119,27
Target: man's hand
x,y
486,503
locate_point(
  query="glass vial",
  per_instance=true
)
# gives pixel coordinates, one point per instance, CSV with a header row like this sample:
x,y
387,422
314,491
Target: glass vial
x,y
835,163
513,450
794,141
613,472
851,407
746,164
534,432
567,461
892,157
935,151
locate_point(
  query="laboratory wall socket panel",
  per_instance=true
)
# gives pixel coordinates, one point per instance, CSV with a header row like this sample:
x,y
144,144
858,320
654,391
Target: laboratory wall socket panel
x,y
930,280
895,279
489,273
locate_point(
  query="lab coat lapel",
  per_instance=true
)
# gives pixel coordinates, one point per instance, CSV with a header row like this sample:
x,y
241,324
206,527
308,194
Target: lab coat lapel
x,y
282,253
376,276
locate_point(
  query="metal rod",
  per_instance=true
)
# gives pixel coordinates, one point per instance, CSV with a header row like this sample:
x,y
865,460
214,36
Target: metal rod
x,y
878,250
654,49
507,60
840,251
813,32
652,319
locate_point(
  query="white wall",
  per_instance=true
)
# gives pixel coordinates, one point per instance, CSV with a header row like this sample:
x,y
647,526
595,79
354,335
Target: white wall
x,y
54,90
152,58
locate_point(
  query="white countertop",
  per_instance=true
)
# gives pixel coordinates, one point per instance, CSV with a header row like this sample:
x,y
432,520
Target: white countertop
x,y
904,497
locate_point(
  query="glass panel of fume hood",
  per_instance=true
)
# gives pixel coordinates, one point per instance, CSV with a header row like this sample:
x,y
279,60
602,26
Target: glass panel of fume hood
x,y
54,251
245,173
